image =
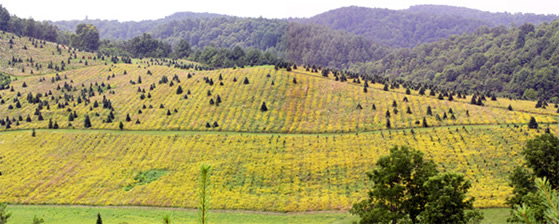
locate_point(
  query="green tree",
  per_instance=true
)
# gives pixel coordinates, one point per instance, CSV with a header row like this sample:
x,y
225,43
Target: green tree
x,y
86,37
4,18
4,215
204,192
446,201
398,191
183,49
99,220
549,200
542,156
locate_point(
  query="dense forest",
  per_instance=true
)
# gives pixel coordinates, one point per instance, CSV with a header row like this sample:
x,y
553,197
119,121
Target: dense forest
x,y
493,18
517,62
395,28
115,30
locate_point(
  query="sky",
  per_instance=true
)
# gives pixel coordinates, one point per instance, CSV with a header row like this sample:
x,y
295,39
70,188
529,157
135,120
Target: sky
x,y
126,10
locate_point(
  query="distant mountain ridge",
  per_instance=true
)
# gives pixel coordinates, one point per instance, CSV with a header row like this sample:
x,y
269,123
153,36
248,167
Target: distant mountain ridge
x,y
418,24
495,18
395,28
116,30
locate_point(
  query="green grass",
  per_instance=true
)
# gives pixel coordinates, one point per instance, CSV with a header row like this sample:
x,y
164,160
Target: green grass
x,y
145,215
495,215
143,178
79,215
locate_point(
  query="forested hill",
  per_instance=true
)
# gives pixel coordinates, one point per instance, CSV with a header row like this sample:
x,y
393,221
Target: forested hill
x,y
520,62
495,19
115,30
417,25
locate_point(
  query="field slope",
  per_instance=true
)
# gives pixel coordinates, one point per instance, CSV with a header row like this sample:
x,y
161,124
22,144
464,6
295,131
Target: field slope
x,y
308,150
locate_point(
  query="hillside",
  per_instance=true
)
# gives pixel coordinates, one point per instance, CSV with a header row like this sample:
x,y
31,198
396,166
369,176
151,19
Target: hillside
x,y
311,105
113,29
266,172
307,149
394,27
494,18
518,62
24,56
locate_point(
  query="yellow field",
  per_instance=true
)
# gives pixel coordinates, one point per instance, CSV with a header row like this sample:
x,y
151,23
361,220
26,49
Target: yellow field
x,y
312,105
251,171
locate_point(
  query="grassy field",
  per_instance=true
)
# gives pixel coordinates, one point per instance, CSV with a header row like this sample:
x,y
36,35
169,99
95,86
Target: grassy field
x,y
115,215
251,172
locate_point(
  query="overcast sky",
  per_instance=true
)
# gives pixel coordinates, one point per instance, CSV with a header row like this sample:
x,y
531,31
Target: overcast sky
x,y
144,10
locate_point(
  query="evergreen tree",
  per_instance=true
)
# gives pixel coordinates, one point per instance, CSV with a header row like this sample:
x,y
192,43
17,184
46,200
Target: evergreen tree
x,y
99,220
509,107
263,108
179,90
532,124
87,122
429,112
294,80
121,125
425,123
128,119
245,81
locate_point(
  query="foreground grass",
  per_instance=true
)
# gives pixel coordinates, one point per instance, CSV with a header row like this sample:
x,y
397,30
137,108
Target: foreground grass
x,y
79,215
139,215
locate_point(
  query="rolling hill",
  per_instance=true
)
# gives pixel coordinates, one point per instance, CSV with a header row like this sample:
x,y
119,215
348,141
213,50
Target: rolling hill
x,y
518,62
24,56
307,149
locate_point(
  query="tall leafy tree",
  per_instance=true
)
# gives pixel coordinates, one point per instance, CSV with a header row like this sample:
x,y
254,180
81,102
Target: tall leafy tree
x,y
86,37
398,191
183,49
447,200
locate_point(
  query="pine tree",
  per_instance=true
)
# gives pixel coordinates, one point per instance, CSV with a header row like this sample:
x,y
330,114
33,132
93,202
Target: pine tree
x,y
388,123
87,122
168,112
245,81
179,90
408,92
121,125
359,107
99,220
533,124
409,110
429,112
263,108
425,123
294,80
128,119
509,107
33,134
